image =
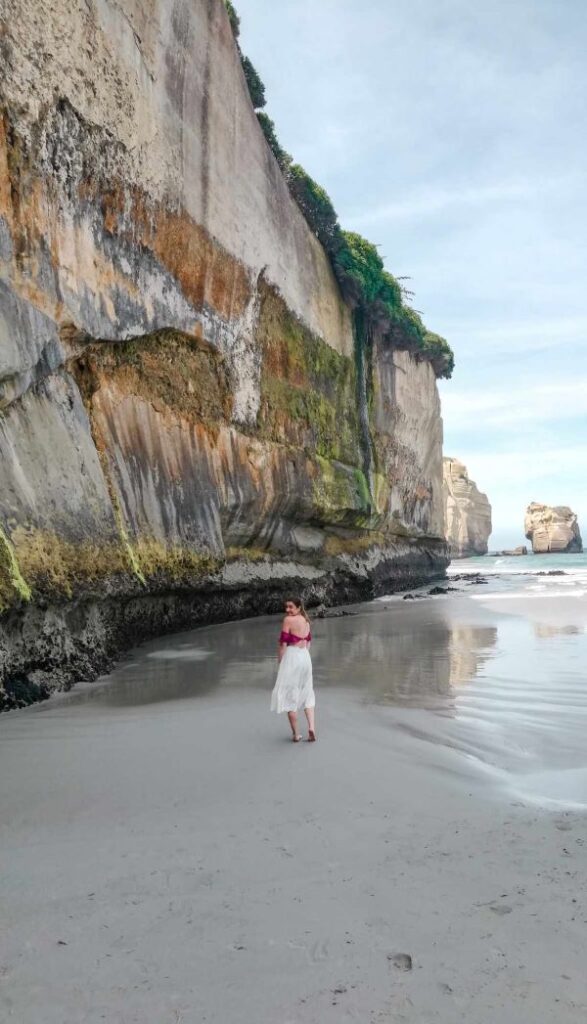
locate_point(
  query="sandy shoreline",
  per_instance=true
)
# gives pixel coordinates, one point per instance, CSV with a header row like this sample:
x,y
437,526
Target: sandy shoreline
x,y
169,857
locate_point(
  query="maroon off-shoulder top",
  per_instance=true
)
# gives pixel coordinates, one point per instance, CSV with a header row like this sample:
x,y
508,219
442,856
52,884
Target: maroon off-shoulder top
x,y
291,638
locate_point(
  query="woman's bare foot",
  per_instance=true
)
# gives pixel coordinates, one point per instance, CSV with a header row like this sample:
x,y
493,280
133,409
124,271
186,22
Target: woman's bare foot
x,y
311,736
296,739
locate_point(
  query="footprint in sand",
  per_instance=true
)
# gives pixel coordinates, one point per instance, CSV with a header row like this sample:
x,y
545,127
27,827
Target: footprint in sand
x,y
319,951
402,961
445,988
563,825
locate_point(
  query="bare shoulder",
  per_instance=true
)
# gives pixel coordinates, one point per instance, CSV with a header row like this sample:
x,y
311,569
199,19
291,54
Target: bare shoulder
x,y
287,622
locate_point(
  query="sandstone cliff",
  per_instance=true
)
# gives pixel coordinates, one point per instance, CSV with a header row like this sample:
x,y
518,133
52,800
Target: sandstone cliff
x,y
467,512
182,431
552,529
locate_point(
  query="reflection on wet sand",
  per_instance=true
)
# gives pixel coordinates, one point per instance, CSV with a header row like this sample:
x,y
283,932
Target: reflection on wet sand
x,y
546,630
403,658
492,683
395,655
179,668
470,647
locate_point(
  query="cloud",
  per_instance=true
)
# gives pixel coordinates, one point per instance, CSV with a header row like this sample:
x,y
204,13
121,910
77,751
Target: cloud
x,y
512,406
435,201
530,336
523,465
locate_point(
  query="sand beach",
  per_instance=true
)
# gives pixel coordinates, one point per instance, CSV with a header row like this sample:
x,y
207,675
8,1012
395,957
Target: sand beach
x,y
169,856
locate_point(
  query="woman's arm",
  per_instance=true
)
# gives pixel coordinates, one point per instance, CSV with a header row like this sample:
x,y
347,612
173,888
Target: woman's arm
x,y
282,648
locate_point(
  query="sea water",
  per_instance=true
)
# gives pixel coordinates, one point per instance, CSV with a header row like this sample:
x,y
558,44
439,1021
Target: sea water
x,y
523,711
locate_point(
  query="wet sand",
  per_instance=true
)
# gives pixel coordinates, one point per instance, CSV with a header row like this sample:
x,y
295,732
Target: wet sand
x,y
169,856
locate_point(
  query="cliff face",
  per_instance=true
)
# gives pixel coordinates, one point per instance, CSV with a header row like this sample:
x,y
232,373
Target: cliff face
x,y
182,433
552,529
467,512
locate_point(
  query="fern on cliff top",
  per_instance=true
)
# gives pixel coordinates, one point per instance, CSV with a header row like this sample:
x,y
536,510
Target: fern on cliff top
x,y
360,268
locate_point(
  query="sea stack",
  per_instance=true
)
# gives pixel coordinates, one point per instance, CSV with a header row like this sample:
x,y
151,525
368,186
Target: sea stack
x,y
552,528
467,512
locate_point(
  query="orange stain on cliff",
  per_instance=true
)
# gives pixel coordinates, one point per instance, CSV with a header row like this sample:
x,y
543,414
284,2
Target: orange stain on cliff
x,y
5,192
207,273
422,493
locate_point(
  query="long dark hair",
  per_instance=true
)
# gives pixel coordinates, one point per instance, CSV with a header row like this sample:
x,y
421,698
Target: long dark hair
x,y
299,604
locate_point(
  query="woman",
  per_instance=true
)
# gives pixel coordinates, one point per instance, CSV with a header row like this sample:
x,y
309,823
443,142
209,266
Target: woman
x,y
293,688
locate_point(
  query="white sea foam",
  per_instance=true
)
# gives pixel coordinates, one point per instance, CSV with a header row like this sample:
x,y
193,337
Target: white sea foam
x,y
180,654
526,595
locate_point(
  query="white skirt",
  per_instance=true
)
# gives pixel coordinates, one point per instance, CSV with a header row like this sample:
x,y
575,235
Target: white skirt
x,y
293,688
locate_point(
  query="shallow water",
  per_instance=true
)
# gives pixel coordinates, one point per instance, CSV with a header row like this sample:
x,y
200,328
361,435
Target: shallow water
x,y
495,671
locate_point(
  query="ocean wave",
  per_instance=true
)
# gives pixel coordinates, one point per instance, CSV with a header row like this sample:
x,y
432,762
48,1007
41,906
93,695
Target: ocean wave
x,y
526,595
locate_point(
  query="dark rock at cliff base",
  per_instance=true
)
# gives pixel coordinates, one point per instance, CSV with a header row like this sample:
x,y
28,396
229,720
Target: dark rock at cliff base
x,y
471,579
551,572
321,612
23,691
510,552
437,590
466,577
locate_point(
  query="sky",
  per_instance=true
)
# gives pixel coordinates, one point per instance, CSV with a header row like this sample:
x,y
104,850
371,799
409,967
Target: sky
x,y
453,135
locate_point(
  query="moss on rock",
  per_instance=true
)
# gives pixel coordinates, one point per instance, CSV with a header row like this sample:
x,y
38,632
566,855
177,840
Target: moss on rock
x,y
341,494
337,545
308,390
179,371
13,586
53,567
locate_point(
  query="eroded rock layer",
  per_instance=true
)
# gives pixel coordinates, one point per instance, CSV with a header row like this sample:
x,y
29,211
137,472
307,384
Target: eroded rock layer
x,y
552,528
184,433
467,512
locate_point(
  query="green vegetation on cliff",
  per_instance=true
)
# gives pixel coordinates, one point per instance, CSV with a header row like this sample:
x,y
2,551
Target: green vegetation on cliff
x,y
365,283
368,286
13,586
268,128
316,206
235,22
254,82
